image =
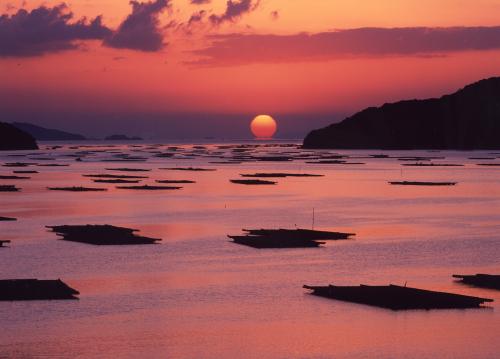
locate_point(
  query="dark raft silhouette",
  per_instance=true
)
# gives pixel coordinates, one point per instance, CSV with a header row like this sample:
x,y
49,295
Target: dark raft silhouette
x,y
101,234
12,138
35,289
480,280
252,182
2,242
286,238
278,175
396,297
467,119
114,176
14,177
419,183
77,189
115,181
8,188
150,188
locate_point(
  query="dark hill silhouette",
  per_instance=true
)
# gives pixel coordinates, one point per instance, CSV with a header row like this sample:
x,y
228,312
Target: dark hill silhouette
x,y
12,138
47,134
467,119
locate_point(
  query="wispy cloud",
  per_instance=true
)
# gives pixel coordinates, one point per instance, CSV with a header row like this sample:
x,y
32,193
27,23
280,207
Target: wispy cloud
x,y
241,49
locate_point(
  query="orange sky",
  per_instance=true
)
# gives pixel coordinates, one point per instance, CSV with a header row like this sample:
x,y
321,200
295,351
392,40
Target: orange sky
x,y
317,15
94,78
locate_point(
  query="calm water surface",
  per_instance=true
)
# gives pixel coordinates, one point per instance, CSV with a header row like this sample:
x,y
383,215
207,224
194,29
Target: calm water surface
x,y
197,295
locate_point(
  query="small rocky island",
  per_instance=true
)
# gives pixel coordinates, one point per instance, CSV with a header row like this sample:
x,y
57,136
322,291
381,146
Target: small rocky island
x,y
12,138
468,119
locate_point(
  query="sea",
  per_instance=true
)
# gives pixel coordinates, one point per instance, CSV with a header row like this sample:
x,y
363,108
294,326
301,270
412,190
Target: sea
x,y
197,294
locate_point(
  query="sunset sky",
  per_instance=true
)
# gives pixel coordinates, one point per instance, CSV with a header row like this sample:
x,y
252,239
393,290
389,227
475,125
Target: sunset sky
x,y
201,68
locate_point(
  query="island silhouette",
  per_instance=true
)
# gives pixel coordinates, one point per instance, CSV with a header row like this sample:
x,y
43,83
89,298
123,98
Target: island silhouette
x,y
465,120
12,138
47,134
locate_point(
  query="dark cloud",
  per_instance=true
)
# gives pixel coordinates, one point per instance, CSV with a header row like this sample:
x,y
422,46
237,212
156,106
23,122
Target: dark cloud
x,y
240,49
234,10
140,30
44,30
197,17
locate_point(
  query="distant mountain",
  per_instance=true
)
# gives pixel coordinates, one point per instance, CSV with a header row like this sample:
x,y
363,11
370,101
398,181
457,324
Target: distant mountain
x,y
12,138
47,134
122,138
467,119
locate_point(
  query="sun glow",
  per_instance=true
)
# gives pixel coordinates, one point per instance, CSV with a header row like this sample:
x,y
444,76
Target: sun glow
x,y
263,126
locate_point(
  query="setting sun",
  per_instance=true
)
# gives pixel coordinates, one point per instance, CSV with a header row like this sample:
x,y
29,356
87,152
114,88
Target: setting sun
x,y
263,126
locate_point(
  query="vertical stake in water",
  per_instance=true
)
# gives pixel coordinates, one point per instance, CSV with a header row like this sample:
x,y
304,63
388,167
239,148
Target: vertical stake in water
x,y
313,220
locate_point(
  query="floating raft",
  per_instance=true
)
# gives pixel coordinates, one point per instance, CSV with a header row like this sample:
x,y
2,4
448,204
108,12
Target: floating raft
x,y
114,176
128,169
115,181
397,297
174,181
274,158
2,242
334,162
149,188
8,188
225,162
35,289
252,182
140,159
272,242
420,158
18,164
163,155
101,234
418,164
77,189
300,233
279,175
480,280
13,177
195,169
286,238
416,183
